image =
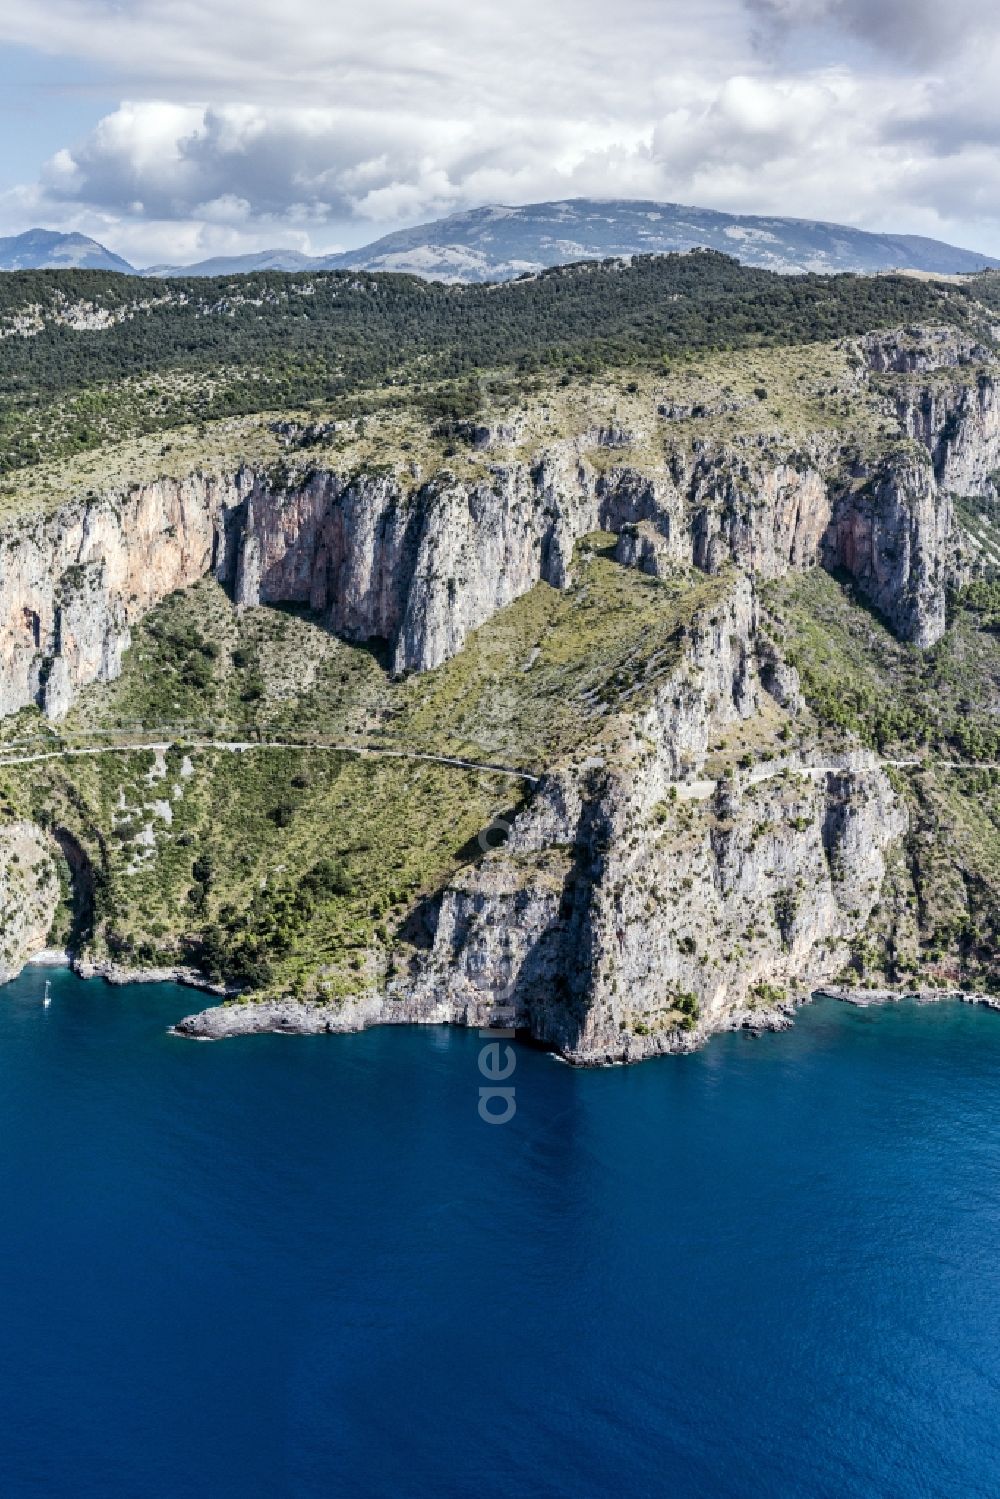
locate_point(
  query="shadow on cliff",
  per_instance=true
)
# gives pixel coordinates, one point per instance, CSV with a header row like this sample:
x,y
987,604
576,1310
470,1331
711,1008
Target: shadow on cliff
x,y
376,646
856,596
83,885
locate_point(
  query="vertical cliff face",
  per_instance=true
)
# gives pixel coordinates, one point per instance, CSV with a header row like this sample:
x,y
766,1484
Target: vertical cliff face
x,y
967,455
959,425
765,516
29,894
635,910
421,566
892,531
420,569
344,548
72,582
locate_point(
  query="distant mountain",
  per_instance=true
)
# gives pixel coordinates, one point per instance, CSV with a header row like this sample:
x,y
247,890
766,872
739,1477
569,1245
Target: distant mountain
x,y
497,243
46,249
239,265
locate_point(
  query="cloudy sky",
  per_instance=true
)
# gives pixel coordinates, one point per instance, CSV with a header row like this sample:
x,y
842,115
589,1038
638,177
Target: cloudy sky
x,y
174,129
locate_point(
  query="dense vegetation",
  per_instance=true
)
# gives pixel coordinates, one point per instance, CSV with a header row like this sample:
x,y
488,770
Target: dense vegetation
x,y
259,342
986,288
896,698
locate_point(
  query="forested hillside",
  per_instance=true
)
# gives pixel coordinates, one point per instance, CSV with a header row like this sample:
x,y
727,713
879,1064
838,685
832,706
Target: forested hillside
x,y
85,356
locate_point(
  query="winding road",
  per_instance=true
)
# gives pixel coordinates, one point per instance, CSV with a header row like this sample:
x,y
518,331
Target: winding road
x,y
687,790
243,746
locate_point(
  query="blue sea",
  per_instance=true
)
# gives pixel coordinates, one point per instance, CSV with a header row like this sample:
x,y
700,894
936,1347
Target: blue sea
x,y
300,1268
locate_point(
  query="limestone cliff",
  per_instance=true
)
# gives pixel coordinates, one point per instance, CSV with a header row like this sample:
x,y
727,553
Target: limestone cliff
x,y
892,530
636,909
422,569
420,562
420,565
634,929
29,895
73,581
920,349
636,906
959,424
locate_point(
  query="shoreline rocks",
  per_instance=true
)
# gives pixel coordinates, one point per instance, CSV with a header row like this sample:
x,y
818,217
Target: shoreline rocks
x,y
869,998
117,973
299,1018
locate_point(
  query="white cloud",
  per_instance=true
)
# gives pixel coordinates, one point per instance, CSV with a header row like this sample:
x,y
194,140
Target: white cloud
x,y
316,124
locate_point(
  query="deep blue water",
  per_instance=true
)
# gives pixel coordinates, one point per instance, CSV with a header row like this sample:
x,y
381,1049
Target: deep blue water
x,y
285,1267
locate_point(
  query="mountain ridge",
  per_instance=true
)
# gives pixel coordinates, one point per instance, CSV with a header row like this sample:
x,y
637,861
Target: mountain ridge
x,y
498,242
48,249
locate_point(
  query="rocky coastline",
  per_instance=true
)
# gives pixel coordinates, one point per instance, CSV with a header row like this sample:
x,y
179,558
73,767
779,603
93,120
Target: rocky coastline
x,y
642,900
290,1017
869,998
120,974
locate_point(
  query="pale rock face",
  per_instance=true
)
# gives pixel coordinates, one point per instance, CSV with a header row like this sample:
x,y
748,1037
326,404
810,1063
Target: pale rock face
x,y
642,546
29,895
893,533
968,450
72,582
778,679
960,428
767,518
919,350
611,901
420,567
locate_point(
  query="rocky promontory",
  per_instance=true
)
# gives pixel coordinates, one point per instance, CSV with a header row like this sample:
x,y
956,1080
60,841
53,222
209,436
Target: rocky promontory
x,y
698,855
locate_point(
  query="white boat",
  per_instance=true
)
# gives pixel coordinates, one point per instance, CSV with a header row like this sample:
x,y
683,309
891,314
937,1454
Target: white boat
x,y
47,997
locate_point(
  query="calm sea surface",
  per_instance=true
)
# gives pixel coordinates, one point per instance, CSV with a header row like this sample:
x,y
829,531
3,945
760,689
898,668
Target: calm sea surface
x,y
304,1267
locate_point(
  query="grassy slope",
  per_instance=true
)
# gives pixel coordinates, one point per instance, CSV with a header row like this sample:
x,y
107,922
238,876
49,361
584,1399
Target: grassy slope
x,y
896,697
276,868
787,397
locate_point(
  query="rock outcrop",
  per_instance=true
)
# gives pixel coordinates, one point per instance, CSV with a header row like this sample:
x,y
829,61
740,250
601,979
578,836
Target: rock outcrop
x,y
920,349
74,581
611,934
636,907
635,910
959,425
421,568
892,530
29,895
